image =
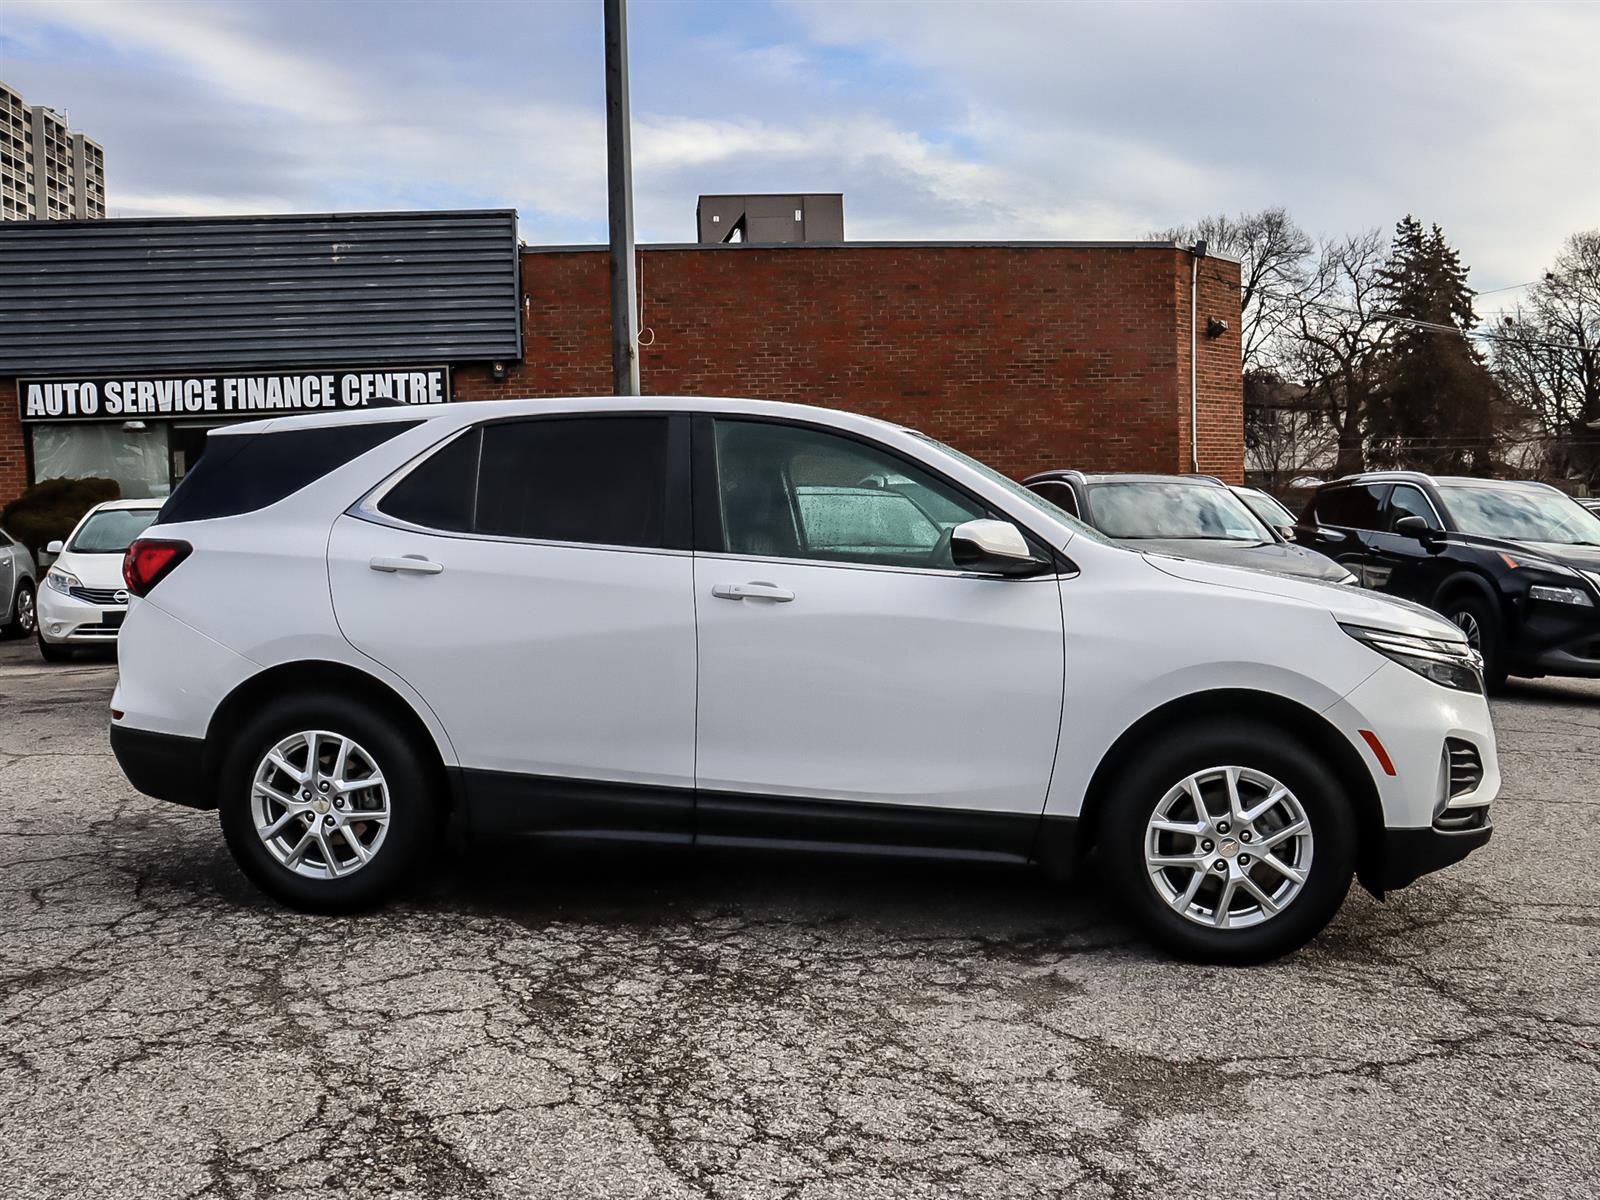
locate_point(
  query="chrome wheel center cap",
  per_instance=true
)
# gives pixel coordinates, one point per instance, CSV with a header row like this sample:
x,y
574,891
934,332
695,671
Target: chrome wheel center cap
x,y
1228,847
320,806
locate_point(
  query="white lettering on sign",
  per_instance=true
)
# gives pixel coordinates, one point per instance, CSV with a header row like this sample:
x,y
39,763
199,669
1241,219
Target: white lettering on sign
x,y
238,394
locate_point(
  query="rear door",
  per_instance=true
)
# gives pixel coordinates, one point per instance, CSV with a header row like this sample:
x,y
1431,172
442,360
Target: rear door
x,y
1341,522
532,580
8,575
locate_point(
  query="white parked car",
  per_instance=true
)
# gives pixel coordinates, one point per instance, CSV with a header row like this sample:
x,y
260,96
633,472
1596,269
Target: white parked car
x,y
708,621
84,599
19,586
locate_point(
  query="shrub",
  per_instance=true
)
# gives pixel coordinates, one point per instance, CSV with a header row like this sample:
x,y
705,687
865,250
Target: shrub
x,y
49,510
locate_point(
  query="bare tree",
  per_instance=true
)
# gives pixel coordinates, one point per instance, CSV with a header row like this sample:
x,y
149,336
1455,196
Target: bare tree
x,y
1336,330
1548,357
1293,437
1272,252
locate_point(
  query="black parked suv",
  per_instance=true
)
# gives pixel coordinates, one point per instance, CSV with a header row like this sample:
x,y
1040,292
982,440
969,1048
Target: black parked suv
x,y
1516,565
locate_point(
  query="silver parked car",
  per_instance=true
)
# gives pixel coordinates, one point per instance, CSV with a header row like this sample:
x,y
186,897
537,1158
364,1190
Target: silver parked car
x,y
19,588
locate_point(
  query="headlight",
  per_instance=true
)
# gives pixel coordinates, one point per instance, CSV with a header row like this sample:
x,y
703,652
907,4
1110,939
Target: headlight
x,y
1557,594
1449,664
62,581
1348,578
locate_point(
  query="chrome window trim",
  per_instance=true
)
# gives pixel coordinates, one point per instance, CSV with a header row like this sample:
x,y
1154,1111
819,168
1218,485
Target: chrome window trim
x,y
1433,508
838,564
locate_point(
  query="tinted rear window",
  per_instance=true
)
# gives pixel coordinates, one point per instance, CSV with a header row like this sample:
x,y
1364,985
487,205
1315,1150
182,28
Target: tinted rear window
x,y
241,473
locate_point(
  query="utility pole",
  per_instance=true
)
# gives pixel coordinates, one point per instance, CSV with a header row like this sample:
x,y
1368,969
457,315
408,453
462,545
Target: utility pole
x,y
619,181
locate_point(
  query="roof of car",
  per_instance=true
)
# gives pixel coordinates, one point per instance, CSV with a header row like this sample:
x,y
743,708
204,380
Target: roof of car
x,y
1424,477
1124,477
471,410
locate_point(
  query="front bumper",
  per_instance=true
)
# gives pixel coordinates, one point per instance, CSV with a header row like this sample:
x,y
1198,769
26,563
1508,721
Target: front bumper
x,y
66,620
164,765
1409,854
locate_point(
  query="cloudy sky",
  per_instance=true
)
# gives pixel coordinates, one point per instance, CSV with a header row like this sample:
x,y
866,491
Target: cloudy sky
x,y
937,120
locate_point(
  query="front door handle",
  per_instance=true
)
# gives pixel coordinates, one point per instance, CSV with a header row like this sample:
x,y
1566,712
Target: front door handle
x,y
411,564
752,591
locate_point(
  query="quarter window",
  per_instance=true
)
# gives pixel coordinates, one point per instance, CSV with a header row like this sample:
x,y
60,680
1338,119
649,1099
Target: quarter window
x,y
791,492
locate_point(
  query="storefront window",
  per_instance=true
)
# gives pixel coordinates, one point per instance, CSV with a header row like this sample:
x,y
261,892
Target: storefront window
x,y
135,458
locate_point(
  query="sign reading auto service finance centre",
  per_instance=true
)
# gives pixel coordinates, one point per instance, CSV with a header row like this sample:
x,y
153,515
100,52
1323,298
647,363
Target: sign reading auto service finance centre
x,y
276,393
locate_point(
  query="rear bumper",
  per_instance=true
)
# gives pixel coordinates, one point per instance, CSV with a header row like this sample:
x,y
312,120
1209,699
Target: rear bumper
x,y
1409,854
163,765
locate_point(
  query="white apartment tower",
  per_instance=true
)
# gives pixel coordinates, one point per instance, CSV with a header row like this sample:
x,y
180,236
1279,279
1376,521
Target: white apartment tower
x,y
47,172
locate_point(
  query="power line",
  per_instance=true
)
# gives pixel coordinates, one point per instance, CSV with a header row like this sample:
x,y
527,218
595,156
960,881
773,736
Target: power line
x,y
1433,326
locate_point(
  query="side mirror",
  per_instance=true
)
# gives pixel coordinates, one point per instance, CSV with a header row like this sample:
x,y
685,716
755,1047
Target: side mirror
x,y
1413,527
55,547
992,547
1286,532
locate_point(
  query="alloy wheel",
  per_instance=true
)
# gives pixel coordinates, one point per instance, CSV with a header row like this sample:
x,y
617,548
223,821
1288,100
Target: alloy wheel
x,y
26,615
1468,624
1229,847
320,804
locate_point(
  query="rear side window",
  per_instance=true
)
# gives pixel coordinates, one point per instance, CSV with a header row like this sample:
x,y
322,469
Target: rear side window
x,y
599,481
241,473
1354,507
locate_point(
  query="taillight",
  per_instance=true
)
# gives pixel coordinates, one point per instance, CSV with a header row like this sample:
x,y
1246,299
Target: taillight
x,y
149,561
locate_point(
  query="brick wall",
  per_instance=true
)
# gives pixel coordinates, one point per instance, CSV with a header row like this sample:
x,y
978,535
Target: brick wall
x,y
1025,357
13,464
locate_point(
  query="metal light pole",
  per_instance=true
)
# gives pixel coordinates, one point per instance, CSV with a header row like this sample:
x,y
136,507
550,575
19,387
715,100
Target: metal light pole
x,y
619,180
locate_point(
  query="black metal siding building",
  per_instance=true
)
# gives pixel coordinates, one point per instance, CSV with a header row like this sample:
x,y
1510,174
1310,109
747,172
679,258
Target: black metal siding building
x,y
111,326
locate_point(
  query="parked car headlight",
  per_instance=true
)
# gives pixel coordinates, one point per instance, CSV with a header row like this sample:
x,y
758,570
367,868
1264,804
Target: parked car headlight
x,y
1559,594
1447,663
62,581
1348,578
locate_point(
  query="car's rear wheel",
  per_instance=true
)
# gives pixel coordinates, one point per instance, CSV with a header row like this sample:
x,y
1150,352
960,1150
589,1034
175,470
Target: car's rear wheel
x,y
1475,617
326,806
24,613
1231,841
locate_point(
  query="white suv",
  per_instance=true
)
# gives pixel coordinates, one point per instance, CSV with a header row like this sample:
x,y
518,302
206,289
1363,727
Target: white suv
x,y
739,623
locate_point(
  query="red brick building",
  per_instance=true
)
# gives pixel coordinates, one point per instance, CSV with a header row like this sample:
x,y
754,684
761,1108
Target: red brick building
x,y
1025,355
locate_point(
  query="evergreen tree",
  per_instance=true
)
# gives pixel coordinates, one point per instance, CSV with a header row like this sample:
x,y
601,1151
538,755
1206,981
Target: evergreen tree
x,y
1438,408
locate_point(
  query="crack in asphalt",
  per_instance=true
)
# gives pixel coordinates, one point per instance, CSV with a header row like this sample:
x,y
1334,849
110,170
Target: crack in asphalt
x,y
614,1023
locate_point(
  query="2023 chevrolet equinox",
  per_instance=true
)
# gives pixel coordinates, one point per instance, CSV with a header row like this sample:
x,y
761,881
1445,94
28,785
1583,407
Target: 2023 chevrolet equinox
x,y
717,622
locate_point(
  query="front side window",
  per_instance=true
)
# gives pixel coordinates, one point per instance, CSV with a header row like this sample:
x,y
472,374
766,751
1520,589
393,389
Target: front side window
x,y
1531,514
598,481
111,530
1059,494
1407,501
1190,511
792,492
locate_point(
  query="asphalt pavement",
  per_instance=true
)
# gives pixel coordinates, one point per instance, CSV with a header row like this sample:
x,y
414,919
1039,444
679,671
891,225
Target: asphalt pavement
x,y
676,1024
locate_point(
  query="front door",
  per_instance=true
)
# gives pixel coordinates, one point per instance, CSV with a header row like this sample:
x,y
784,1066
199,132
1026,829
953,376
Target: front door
x,y
844,660
533,581
1402,565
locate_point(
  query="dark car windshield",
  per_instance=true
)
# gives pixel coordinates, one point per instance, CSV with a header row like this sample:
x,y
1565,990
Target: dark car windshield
x,y
1152,509
1532,514
111,530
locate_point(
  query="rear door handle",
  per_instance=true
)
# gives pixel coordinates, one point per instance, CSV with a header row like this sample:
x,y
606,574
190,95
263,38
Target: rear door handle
x,y
752,591
411,564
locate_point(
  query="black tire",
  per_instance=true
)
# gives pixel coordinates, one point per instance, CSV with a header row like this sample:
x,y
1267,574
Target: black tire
x,y
415,831
1138,791
1490,638
24,612
50,651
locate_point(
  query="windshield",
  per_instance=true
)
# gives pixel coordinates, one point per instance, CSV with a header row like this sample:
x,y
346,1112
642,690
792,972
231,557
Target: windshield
x,y
1033,499
1521,515
1268,509
111,530
1173,510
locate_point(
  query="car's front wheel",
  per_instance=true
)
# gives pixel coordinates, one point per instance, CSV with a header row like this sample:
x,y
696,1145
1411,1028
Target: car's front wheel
x,y
1475,617
326,806
1231,841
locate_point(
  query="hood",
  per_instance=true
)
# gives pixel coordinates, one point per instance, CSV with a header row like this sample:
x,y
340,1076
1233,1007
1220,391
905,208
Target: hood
x,y
1349,605
1584,558
93,570
1262,556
